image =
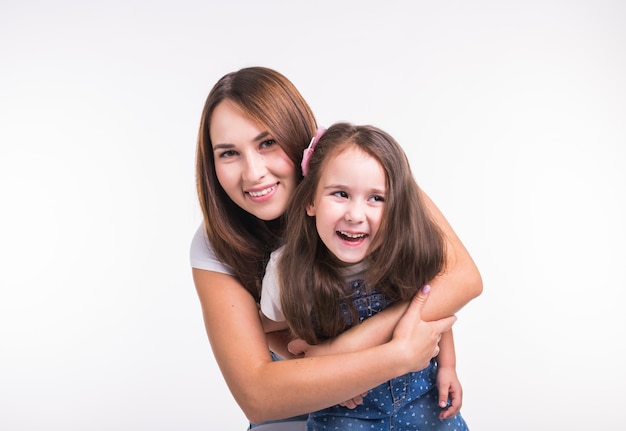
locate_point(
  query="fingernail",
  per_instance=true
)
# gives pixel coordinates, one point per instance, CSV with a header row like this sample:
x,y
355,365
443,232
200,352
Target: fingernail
x,y
426,288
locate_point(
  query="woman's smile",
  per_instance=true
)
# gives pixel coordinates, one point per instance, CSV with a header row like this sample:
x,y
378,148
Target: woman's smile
x,y
252,168
259,193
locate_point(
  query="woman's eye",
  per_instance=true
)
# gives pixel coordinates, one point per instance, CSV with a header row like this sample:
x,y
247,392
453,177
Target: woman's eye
x,y
340,194
229,153
377,199
268,143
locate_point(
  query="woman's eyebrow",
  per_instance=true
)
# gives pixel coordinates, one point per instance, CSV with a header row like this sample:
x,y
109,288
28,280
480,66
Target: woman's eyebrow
x,y
227,146
222,147
261,136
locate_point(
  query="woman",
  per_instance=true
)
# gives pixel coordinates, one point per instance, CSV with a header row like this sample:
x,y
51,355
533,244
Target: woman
x,y
254,128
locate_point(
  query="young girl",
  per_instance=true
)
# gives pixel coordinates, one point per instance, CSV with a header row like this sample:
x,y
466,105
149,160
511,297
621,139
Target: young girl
x,y
254,126
358,238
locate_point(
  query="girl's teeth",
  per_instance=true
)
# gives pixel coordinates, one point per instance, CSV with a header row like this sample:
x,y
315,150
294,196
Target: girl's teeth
x,y
352,235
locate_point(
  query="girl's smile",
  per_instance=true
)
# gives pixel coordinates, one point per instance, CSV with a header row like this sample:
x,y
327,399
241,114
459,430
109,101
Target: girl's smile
x,y
349,203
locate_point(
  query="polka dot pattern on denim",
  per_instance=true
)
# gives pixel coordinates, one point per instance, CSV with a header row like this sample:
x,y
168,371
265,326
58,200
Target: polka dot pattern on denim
x,y
405,403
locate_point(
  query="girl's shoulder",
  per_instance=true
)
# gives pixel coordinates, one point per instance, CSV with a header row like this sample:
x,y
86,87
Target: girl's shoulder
x,y
275,255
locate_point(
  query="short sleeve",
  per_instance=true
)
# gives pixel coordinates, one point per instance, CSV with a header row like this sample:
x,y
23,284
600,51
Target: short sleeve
x,y
202,256
270,291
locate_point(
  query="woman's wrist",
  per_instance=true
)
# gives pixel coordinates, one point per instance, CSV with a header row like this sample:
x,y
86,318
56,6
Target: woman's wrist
x,y
372,332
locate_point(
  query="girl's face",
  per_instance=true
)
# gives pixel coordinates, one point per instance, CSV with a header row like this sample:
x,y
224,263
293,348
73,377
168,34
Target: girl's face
x,y
348,205
252,168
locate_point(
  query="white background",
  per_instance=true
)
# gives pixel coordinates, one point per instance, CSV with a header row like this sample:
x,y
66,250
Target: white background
x,y
513,115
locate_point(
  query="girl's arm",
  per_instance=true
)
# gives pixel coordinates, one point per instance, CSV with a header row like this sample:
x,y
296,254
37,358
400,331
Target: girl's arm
x,y
460,283
448,384
263,388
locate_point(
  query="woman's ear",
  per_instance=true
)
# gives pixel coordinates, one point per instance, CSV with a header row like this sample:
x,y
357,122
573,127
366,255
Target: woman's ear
x,y
310,210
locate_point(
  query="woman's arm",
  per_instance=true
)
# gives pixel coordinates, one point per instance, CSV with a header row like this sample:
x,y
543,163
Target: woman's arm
x,y
267,389
461,281
458,285
278,336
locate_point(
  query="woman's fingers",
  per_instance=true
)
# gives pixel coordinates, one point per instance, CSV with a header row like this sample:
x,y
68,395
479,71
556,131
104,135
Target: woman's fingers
x,y
419,339
443,325
416,305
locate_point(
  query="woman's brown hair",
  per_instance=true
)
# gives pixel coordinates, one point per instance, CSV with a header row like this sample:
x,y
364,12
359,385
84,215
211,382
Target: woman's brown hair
x,y
237,237
407,251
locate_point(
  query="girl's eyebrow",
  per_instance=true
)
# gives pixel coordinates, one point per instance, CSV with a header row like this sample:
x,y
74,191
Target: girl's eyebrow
x,y
336,186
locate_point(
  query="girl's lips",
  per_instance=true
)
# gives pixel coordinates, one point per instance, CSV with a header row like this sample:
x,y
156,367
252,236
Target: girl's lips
x,y
351,237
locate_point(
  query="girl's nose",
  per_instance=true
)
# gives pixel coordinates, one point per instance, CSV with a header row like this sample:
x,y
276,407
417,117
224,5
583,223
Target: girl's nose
x,y
355,213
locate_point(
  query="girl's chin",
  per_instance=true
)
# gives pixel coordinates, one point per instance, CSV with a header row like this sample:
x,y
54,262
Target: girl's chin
x,y
349,258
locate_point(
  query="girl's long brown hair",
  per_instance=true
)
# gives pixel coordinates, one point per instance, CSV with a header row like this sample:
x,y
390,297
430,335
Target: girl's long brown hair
x,y
407,252
238,238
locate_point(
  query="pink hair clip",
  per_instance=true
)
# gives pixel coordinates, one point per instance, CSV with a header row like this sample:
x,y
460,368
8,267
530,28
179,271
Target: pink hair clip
x,y
306,155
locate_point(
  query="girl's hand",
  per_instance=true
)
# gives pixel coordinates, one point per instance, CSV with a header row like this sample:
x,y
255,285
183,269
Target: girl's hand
x,y
352,403
300,348
450,392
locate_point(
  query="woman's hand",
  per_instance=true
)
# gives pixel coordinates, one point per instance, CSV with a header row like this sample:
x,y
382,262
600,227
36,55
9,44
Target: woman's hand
x,y
418,340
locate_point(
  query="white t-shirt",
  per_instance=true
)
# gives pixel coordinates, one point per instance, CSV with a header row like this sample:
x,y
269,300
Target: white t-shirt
x,y
202,256
270,291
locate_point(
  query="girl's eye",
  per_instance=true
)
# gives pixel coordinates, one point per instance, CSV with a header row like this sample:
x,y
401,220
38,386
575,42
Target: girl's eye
x,y
377,198
340,194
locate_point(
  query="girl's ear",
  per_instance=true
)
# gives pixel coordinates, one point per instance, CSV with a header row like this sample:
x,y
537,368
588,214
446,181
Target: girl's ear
x,y
310,210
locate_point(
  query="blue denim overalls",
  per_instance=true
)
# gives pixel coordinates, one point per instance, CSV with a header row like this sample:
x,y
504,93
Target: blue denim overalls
x,y
408,402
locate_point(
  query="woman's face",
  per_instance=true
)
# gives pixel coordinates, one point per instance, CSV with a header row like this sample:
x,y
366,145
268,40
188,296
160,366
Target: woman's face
x,y
252,168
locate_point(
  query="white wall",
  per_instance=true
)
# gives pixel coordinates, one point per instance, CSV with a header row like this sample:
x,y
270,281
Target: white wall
x,y
513,114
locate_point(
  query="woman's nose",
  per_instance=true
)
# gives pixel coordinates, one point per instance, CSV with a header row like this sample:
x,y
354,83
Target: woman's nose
x,y
255,168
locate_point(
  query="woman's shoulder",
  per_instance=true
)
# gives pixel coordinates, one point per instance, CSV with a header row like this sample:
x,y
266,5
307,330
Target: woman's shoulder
x,y
202,255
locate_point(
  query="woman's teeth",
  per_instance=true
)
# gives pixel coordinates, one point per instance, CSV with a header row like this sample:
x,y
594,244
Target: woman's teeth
x,y
262,192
